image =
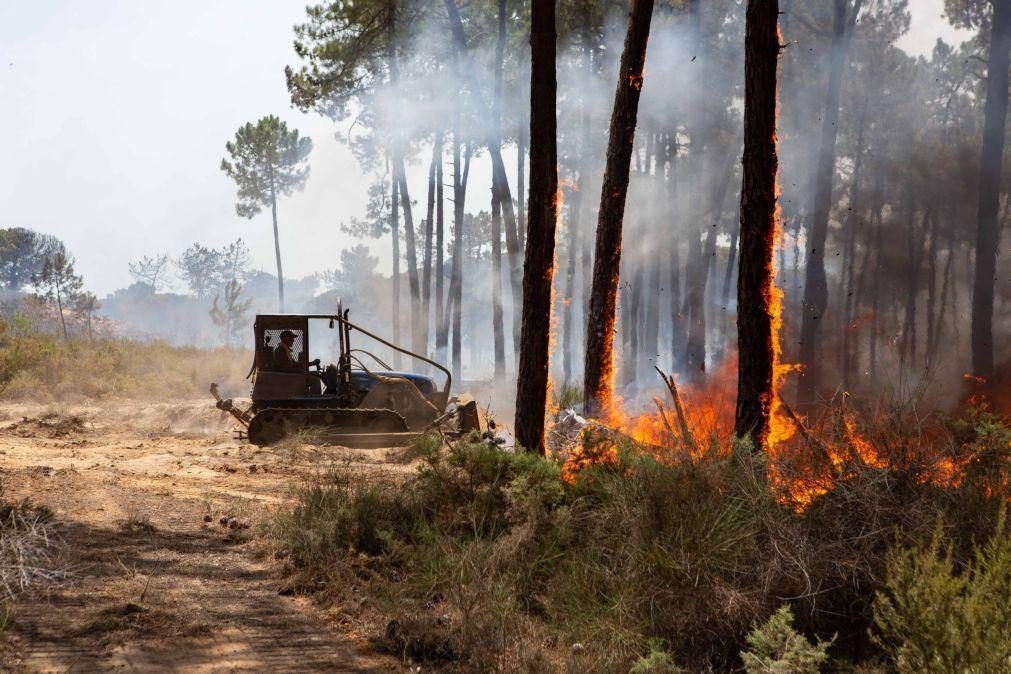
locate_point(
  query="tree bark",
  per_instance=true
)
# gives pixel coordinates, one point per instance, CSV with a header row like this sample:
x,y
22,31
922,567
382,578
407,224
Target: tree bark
x,y
395,234
755,283
570,285
499,178
277,244
441,334
991,160
417,344
498,335
538,265
426,281
598,371
496,207
815,282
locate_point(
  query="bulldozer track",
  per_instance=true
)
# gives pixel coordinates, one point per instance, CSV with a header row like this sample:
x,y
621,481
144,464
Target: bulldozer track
x,y
272,424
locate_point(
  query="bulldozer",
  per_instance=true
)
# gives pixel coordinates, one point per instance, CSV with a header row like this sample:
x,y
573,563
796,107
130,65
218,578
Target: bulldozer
x,y
346,402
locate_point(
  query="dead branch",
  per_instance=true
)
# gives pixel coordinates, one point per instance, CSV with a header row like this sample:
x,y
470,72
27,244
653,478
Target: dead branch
x,y
686,433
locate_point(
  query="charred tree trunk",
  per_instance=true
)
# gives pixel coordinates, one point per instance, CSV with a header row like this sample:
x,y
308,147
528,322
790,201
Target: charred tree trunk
x,y
988,229
598,371
815,281
755,283
538,266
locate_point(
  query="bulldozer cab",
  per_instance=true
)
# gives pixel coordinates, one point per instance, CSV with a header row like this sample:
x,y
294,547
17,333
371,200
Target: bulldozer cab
x,y
284,374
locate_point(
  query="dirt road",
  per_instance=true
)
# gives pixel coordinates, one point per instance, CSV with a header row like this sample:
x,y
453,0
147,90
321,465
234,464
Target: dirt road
x,y
155,586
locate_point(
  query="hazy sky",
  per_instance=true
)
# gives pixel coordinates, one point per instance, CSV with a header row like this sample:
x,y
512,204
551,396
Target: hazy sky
x,y
114,115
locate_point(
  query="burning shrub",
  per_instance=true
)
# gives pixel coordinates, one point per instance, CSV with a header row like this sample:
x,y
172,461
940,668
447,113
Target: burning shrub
x,y
486,556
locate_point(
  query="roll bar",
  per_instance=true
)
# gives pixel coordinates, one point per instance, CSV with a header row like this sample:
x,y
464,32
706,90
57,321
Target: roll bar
x,y
346,342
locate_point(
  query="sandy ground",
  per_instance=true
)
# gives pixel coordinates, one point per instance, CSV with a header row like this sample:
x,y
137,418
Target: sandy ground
x,y
155,587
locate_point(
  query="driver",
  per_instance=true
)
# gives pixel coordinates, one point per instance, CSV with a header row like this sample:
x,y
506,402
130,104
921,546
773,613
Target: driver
x,y
284,361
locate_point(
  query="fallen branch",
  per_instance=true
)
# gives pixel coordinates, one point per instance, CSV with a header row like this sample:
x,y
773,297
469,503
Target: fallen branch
x,y
815,446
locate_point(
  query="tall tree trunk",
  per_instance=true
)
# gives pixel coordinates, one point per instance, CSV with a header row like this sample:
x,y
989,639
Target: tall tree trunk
x,y
938,330
932,254
991,161
728,275
499,178
872,349
846,281
521,170
756,293
634,288
417,345
815,282
538,265
426,281
441,334
598,371
650,346
568,308
496,206
461,171
496,287
395,235
277,245
59,307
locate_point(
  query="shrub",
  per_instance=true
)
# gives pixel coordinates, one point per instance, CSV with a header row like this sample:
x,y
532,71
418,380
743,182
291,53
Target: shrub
x,y
933,616
777,648
489,558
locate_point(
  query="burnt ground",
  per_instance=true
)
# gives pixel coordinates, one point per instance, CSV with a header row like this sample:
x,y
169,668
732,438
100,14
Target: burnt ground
x,y
154,586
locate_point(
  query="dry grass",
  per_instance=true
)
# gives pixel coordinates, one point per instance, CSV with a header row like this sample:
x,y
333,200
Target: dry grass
x,y
31,554
43,367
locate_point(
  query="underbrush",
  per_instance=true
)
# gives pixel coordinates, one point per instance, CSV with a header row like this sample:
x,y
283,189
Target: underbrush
x,y
32,557
486,559
39,366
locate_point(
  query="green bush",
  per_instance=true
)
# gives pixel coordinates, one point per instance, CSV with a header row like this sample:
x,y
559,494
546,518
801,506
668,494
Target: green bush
x,y
777,648
934,617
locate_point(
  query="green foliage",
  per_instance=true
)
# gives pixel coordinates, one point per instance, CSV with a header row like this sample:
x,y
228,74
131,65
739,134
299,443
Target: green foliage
x,y
23,253
58,283
657,661
231,313
151,271
267,161
935,617
777,648
207,269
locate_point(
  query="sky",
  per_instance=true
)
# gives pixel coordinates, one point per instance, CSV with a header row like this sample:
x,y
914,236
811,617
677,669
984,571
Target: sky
x,y
114,115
